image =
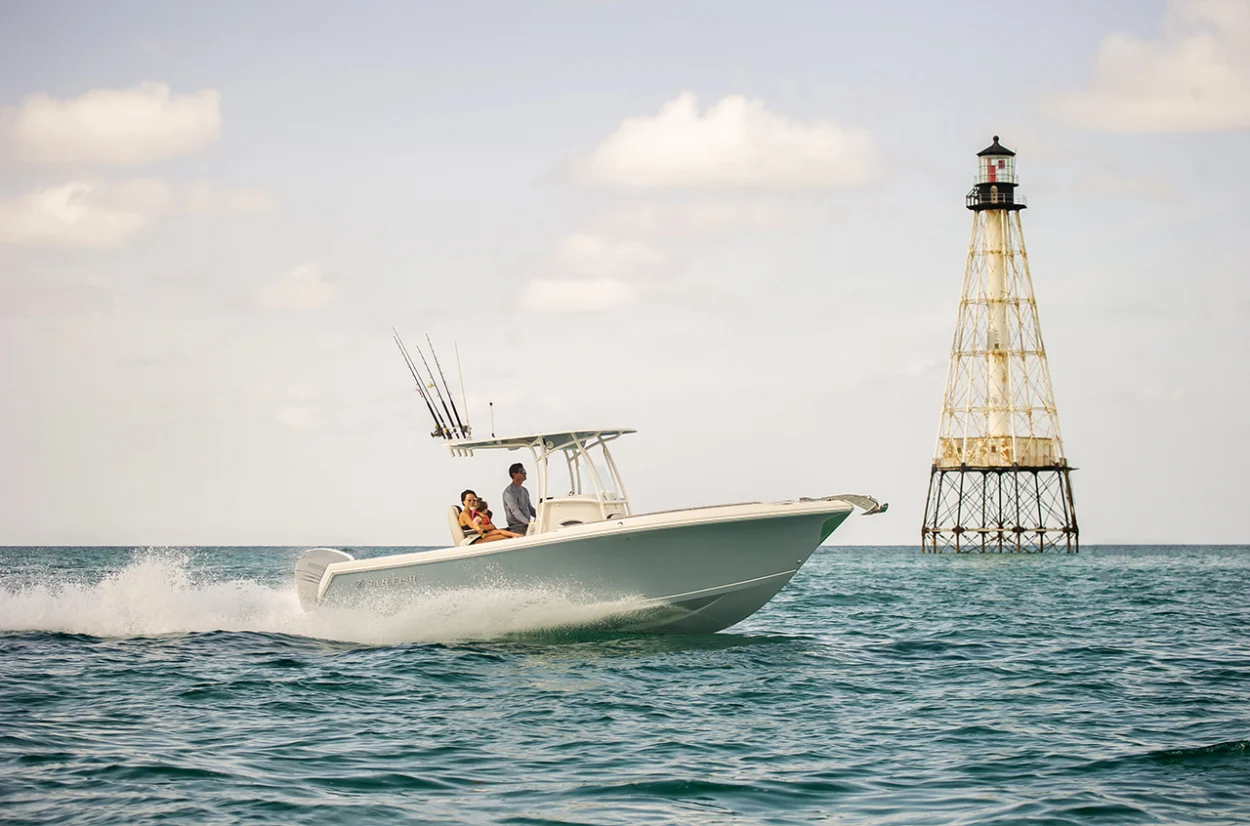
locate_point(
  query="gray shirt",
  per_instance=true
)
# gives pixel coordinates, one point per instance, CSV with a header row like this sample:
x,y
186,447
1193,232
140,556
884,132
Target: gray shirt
x,y
517,508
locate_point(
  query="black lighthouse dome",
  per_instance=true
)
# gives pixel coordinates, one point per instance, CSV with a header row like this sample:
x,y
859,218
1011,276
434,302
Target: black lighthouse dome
x,y
996,180
996,148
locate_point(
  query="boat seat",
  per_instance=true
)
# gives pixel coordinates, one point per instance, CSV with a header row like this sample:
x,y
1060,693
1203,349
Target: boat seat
x,y
459,536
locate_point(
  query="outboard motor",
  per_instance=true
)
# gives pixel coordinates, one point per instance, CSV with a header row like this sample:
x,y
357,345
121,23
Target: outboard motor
x,y
310,568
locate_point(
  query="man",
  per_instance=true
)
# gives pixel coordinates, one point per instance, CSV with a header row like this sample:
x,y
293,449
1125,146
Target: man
x,y
516,501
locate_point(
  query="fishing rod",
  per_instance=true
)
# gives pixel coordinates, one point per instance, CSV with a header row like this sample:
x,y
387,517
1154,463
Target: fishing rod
x,y
434,384
440,429
464,399
450,396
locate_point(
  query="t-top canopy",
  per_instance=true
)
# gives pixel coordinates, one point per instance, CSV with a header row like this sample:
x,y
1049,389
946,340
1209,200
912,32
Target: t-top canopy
x,y
465,447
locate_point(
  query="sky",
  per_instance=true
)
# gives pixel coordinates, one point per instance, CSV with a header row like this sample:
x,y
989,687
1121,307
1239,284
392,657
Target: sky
x,y
738,227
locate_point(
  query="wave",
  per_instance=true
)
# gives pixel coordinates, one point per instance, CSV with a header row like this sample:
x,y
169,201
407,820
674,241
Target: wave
x,y
1217,753
1212,756
157,594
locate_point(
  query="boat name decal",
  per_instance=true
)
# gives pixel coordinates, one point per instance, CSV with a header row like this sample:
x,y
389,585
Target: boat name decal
x,y
394,580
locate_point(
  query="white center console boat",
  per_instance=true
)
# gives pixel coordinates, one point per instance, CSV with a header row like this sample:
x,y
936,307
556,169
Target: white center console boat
x,y
685,571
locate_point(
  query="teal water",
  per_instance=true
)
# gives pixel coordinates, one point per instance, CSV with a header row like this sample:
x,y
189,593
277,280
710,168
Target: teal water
x,y
881,686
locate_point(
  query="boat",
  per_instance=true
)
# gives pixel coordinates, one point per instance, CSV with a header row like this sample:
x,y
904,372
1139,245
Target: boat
x,y
690,571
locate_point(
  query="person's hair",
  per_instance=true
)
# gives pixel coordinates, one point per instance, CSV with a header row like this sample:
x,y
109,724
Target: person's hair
x,y
481,505
515,469
465,493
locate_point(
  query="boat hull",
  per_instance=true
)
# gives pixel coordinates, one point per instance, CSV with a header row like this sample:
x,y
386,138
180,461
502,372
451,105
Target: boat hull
x,y
689,572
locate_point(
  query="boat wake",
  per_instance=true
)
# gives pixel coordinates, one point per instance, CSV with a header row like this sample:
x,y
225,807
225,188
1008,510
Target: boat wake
x,y
159,594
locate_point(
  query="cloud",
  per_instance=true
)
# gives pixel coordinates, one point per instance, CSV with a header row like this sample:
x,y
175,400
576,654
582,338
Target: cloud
x,y
596,272
735,143
111,127
304,288
83,213
601,269
95,213
1196,78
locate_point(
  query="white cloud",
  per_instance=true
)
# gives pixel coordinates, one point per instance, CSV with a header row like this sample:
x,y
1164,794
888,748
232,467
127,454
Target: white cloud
x,y
96,213
111,127
602,270
84,213
304,288
596,272
735,143
572,295
1196,78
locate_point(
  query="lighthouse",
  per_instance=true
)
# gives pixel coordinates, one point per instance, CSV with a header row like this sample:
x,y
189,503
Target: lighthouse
x,y
1000,480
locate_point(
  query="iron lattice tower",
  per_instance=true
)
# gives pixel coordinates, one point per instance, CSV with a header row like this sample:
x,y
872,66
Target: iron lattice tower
x,y
1000,481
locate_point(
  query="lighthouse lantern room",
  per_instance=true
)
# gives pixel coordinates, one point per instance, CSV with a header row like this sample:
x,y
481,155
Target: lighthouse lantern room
x,y
995,186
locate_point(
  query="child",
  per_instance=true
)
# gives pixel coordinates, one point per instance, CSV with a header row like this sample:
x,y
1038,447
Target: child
x,y
481,519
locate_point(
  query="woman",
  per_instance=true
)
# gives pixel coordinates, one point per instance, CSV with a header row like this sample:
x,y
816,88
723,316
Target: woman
x,y
474,519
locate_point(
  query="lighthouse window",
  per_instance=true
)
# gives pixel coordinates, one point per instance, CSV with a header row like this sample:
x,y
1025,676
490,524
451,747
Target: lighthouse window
x,y
997,170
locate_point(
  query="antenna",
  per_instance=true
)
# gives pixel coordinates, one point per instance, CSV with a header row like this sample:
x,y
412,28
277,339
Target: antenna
x,y
492,420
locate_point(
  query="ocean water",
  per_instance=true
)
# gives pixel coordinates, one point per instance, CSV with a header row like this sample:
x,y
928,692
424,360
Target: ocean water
x,y
881,686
